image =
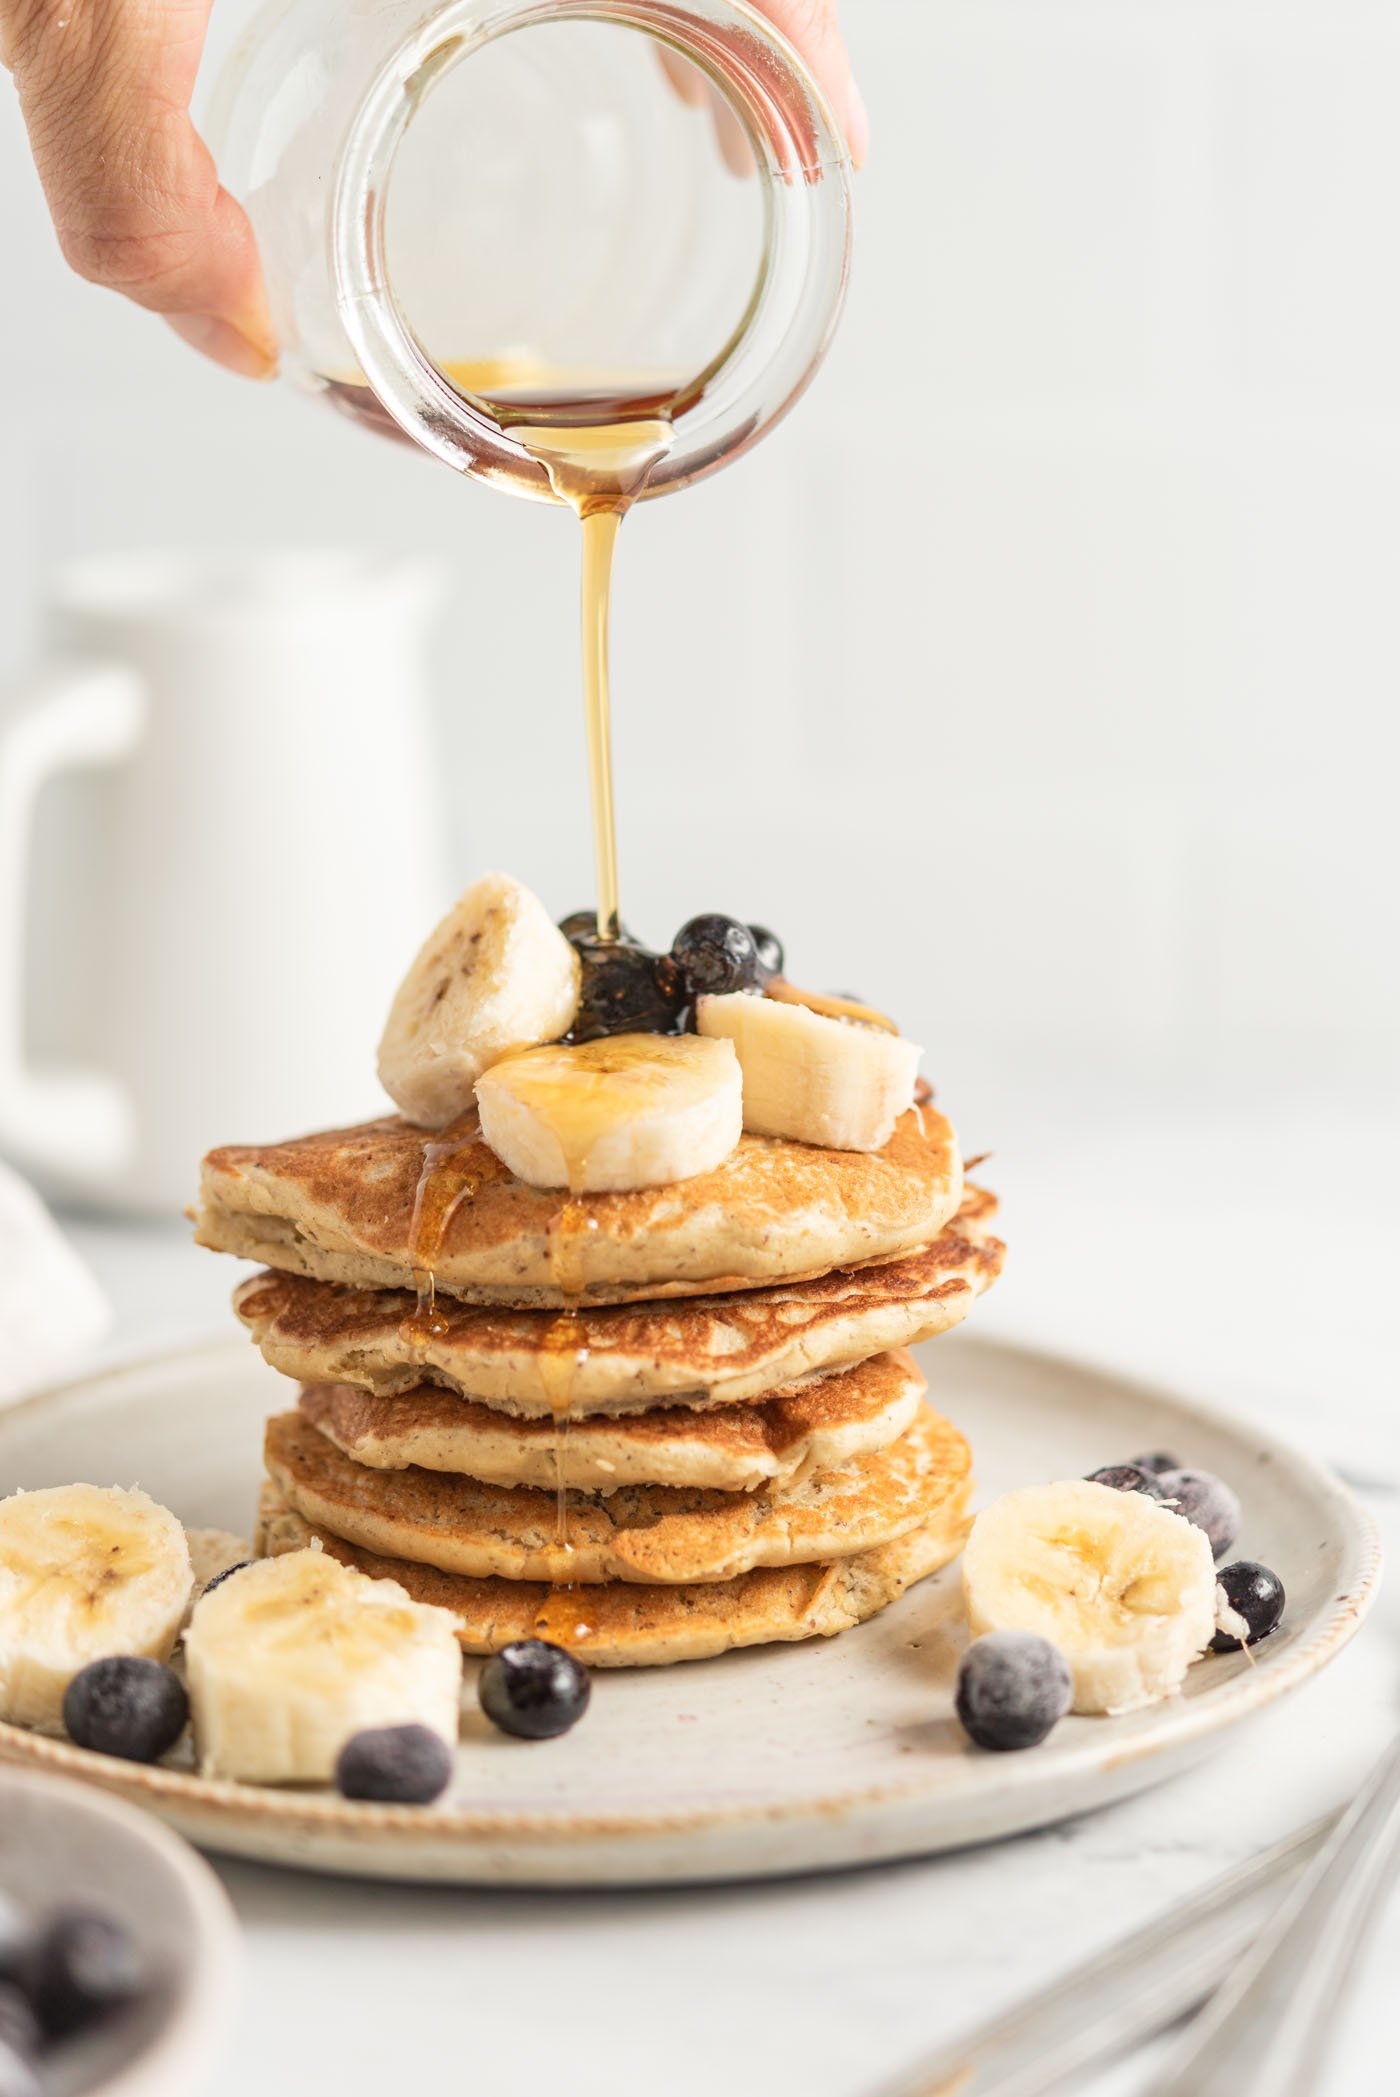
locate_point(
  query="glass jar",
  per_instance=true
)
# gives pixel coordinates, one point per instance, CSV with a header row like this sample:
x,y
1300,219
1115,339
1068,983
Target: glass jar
x,y
497,202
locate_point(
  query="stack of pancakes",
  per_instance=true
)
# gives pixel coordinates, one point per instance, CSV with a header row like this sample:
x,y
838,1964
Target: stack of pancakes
x,y
651,1426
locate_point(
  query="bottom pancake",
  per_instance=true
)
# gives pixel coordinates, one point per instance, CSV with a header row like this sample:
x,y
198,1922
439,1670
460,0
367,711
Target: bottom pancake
x,y
624,1624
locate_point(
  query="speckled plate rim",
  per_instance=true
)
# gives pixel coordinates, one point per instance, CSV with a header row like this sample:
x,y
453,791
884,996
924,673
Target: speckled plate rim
x,y
279,1822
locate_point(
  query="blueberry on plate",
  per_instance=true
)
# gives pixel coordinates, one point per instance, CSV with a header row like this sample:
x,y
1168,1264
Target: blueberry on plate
x,y
625,989
227,1574
1248,1596
85,1966
534,1690
1156,1460
126,1706
1128,1478
19,2027
1012,1688
769,949
716,955
1208,1502
396,1765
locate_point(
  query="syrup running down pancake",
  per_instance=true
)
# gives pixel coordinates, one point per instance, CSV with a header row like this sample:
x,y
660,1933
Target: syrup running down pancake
x,y
340,1207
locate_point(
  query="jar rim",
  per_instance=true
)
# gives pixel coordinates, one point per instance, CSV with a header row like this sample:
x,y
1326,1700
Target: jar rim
x,y
772,352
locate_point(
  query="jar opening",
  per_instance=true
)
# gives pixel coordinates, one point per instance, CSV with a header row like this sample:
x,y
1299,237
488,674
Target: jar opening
x,y
589,223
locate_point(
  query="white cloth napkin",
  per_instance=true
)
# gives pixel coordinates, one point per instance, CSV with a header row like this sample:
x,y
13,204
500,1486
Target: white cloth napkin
x,y
51,1310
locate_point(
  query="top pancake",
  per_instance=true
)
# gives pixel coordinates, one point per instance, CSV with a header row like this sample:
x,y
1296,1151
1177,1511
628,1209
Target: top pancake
x,y
340,1207
705,1351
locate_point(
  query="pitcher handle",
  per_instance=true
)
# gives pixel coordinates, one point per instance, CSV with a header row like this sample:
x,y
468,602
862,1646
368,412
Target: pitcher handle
x,y
69,1124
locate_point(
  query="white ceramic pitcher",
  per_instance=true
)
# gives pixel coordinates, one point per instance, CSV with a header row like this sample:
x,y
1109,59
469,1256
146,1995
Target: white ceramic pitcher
x,y
229,910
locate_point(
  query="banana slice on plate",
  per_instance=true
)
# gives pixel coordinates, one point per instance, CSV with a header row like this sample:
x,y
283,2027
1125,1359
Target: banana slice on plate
x,y
1124,1587
85,1571
832,1082
497,975
603,1117
291,1656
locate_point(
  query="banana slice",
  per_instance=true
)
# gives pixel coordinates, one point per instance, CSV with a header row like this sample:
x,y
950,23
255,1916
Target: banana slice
x,y
85,1571
291,1656
1124,1587
817,1080
497,975
602,1117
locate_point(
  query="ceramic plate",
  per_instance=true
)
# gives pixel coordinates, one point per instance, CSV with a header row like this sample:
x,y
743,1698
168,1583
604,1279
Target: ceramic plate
x,y
789,1758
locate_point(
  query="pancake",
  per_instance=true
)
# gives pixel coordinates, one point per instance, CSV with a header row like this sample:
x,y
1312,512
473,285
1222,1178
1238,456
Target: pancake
x,y
340,1207
626,1625
648,1533
693,1351
819,1426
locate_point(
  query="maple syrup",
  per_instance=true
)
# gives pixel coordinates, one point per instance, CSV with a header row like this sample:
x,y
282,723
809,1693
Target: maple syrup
x,y
826,1005
597,467
597,438
448,1176
597,442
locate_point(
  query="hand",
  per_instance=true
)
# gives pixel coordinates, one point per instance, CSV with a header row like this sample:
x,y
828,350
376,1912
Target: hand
x,y
105,89
105,86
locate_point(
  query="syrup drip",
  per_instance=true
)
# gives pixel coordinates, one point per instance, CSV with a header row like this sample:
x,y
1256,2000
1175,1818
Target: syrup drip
x,y
563,1617
597,443
449,1175
598,452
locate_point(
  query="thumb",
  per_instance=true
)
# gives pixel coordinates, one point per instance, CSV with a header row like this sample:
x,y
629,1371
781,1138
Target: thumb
x,y
104,86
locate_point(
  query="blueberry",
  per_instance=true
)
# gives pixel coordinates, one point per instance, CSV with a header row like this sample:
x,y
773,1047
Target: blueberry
x,y
1255,1594
769,949
1128,1478
625,989
534,1690
1012,1688
579,924
85,1966
400,1765
1208,1502
227,1574
19,2027
1156,1460
124,1706
17,2078
717,955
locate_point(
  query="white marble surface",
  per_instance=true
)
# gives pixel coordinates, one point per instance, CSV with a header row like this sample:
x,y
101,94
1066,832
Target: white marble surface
x,y
1248,1255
